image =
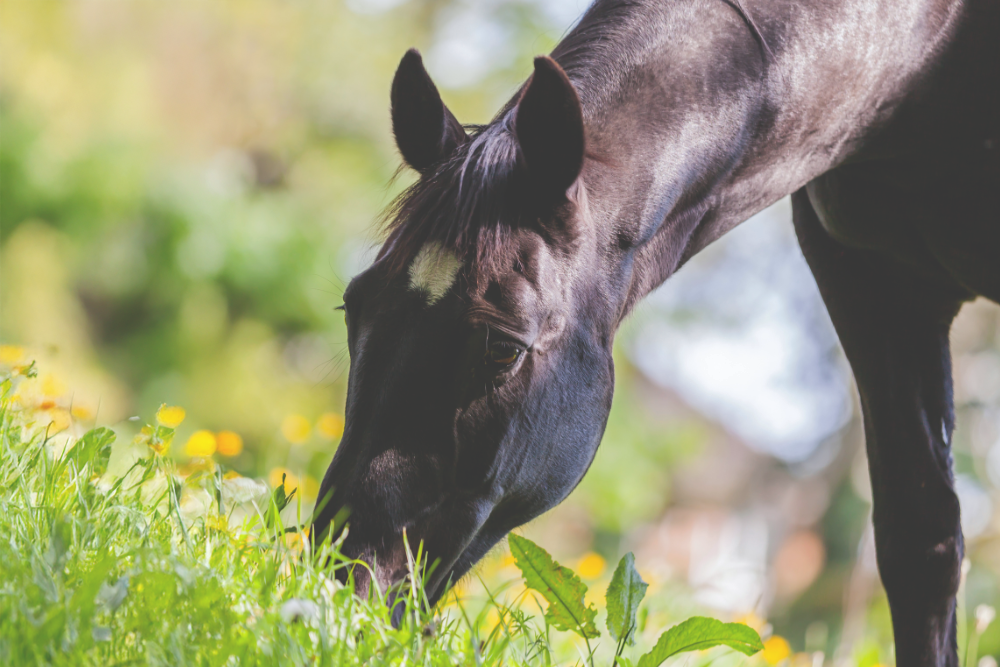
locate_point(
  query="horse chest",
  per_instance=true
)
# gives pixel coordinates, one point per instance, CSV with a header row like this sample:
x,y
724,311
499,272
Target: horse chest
x,y
943,221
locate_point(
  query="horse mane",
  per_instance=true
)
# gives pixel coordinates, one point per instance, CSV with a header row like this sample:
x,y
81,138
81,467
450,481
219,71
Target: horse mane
x,y
464,203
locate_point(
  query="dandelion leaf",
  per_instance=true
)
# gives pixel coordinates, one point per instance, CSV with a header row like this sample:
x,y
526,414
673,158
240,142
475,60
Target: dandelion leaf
x,y
698,633
561,588
625,592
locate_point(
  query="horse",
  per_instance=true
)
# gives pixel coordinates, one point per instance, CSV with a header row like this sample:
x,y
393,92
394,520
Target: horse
x,y
480,339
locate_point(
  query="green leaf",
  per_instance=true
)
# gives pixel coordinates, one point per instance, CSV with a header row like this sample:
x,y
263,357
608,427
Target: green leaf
x,y
94,448
561,588
699,633
625,592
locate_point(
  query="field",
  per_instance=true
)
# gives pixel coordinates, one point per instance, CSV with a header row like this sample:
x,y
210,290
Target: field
x,y
113,554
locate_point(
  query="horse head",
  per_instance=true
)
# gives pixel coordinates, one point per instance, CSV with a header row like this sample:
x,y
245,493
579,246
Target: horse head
x,y
480,339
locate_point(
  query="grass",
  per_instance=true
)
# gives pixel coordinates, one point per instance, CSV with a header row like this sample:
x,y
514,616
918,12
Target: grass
x,y
113,554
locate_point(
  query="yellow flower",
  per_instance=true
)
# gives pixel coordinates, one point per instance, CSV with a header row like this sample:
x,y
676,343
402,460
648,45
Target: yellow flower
x,y
217,522
52,387
591,565
61,421
147,436
291,481
232,474
330,426
310,487
776,650
170,416
80,412
229,443
11,354
294,540
295,428
201,443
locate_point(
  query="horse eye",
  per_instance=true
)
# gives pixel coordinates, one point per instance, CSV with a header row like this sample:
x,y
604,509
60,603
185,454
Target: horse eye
x,y
502,354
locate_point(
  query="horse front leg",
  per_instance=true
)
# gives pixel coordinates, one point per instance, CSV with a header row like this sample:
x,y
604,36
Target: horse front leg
x,y
893,325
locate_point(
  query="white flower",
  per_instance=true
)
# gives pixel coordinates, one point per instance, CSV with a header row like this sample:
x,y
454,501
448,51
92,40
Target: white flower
x,y
240,490
984,616
299,610
195,503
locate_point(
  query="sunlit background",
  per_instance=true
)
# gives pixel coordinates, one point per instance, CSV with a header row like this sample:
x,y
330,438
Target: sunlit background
x,y
187,187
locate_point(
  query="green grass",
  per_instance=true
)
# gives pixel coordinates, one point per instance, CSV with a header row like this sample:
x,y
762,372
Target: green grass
x,y
111,554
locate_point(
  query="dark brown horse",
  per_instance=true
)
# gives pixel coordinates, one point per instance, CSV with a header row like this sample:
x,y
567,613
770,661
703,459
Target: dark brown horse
x,y
481,368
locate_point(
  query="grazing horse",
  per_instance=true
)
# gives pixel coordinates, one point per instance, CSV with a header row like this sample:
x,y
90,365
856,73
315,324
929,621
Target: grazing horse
x,y
480,338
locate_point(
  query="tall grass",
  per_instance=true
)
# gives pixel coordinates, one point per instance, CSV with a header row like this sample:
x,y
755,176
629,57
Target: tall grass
x,y
113,554
100,569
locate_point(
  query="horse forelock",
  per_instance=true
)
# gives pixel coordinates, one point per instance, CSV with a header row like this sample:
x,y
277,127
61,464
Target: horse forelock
x,y
464,205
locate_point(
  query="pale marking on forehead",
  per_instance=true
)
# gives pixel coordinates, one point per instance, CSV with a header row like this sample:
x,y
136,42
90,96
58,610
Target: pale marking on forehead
x,y
433,271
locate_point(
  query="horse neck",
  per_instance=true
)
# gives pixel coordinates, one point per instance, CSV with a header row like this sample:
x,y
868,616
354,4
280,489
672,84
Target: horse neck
x,y
699,116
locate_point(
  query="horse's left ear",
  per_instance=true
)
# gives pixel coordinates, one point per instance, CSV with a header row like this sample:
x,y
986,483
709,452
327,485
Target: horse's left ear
x,y
426,131
549,128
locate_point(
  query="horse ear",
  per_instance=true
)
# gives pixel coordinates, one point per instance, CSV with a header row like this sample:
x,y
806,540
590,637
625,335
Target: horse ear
x,y
426,132
549,128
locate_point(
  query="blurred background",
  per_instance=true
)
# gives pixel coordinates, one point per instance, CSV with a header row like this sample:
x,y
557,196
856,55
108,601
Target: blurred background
x,y
187,187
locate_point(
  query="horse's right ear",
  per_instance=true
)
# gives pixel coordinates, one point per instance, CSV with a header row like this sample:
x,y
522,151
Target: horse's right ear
x,y
426,132
549,128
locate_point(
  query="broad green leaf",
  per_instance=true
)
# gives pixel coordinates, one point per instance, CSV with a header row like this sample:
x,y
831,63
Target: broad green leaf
x,y
94,448
561,588
699,633
625,592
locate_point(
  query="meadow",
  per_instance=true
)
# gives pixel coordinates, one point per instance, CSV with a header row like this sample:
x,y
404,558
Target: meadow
x,y
115,554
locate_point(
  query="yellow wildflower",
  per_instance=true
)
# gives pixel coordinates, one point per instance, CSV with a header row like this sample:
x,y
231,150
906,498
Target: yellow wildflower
x,y
776,650
229,443
11,354
83,413
217,522
201,443
61,421
330,426
295,428
170,416
310,487
291,481
591,565
295,540
52,387
232,474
